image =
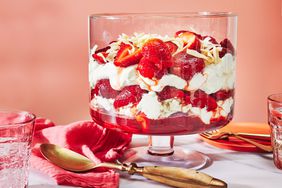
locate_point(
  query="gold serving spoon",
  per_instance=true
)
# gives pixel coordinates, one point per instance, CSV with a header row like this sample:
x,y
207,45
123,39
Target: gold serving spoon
x,y
173,176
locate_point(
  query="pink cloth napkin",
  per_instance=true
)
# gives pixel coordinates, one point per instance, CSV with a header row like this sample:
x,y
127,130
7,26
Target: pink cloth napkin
x,y
87,138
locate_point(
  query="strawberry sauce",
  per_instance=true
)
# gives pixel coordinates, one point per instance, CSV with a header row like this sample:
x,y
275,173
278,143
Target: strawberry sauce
x,y
177,124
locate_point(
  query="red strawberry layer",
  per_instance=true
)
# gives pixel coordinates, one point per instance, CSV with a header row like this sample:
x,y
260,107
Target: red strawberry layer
x,y
201,99
103,88
129,94
223,94
169,92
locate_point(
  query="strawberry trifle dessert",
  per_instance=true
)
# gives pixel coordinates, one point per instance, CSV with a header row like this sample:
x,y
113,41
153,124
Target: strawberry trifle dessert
x,y
162,85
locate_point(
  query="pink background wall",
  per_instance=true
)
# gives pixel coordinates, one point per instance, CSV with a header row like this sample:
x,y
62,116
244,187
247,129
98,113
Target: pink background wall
x,y
43,52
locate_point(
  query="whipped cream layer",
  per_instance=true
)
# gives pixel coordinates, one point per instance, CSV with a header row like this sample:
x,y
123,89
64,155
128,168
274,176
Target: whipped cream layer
x,y
154,109
214,77
119,77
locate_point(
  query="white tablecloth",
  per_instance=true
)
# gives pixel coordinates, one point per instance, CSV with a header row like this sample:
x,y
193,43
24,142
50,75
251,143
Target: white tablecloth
x,y
238,169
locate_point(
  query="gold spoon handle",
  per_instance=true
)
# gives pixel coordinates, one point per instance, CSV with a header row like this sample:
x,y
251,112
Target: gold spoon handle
x,y
180,177
261,146
171,182
173,176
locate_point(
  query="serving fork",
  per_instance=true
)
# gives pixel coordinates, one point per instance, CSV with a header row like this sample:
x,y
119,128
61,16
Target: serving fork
x,y
216,134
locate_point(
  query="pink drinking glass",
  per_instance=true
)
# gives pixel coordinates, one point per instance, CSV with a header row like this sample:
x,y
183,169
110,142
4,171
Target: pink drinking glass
x,y
16,130
275,122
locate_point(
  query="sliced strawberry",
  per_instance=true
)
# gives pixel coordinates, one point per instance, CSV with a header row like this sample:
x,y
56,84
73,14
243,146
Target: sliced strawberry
x,y
124,59
98,58
219,119
151,67
171,46
102,49
187,99
186,66
191,40
227,47
184,31
226,43
212,40
146,68
157,48
179,32
103,88
199,94
199,102
201,99
222,52
169,92
129,94
223,94
156,59
211,104
131,59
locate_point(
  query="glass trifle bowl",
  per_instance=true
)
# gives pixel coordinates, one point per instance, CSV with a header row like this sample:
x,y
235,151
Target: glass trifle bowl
x,y
162,75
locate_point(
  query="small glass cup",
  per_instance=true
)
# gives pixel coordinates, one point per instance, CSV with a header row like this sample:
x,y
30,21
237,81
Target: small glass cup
x,y
16,130
275,122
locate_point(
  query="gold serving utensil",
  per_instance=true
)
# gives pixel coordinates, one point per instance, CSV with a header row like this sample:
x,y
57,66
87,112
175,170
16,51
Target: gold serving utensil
x,y
264,137
214,135
173,176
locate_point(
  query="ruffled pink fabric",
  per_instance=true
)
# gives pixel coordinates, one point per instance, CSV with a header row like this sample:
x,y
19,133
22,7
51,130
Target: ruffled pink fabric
x,y
87,138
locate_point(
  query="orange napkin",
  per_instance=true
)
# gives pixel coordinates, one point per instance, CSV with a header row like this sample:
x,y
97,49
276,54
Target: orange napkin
x,y
87,138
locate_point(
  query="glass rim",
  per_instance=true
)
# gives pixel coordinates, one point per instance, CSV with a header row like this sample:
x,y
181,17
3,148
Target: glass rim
x,y
20,123
272,99
201,14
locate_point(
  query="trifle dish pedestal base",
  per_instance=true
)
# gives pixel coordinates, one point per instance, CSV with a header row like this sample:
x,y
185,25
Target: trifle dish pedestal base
x,y
162,153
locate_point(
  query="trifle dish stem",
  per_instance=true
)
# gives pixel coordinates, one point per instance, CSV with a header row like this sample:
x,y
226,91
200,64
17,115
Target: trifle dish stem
x,y
161,145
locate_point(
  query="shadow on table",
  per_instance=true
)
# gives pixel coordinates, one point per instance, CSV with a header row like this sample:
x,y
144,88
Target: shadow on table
x,y
232,185
231,154
142,179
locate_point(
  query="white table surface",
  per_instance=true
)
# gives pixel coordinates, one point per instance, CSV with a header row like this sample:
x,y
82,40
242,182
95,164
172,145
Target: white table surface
x,y
238,169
